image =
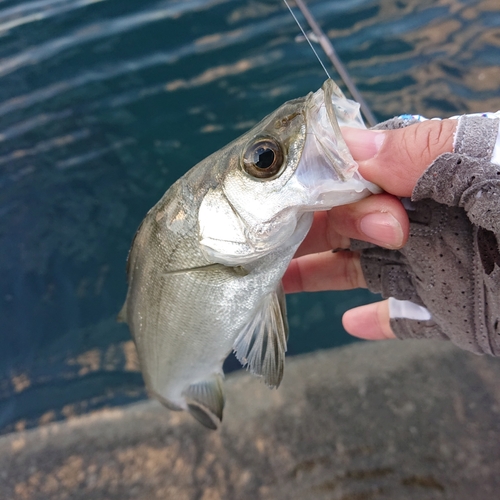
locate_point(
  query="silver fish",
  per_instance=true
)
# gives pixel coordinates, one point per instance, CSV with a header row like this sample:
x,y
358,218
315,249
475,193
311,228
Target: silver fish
x,y
206,263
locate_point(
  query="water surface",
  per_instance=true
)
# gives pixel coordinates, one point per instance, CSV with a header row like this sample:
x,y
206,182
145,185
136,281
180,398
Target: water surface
x,y
103,104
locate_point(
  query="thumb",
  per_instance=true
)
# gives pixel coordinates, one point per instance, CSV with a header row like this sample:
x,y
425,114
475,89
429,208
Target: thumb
x,y
395,159
370,322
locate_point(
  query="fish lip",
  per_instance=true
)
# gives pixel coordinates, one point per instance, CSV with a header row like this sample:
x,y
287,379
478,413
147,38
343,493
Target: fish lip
x,y
326,129
327,170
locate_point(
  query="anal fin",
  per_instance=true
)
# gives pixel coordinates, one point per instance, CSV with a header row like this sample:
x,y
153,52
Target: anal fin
x,y
261,345
205,401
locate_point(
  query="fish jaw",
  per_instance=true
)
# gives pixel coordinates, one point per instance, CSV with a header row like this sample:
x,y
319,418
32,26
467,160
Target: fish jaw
x,y
327,171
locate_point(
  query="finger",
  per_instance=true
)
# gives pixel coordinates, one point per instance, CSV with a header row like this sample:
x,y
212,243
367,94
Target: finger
x,y
395,159
324,271
379,219
322,236
370,322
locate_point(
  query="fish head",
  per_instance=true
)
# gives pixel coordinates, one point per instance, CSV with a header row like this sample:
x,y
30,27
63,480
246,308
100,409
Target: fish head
x,y
272,179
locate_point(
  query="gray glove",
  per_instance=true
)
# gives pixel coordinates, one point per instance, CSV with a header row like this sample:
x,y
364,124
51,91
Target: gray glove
x,y
450,265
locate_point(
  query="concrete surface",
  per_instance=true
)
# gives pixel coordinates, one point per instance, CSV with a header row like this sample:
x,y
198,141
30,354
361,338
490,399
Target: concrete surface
x,y
394,420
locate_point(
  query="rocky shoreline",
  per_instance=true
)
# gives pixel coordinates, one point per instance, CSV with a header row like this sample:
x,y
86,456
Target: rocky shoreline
x,y
388,420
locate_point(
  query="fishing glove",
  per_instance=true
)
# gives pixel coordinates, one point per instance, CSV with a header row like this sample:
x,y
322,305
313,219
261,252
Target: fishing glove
x,y
445,282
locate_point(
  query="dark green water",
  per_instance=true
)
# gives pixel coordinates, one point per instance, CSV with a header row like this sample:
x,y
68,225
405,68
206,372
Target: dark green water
x,y
104,103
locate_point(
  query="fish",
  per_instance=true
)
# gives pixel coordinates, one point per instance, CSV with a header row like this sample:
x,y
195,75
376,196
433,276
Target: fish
x,y
205,266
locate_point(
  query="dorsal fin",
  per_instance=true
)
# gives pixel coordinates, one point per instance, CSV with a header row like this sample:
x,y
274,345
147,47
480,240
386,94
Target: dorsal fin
x,y
205,401
261,345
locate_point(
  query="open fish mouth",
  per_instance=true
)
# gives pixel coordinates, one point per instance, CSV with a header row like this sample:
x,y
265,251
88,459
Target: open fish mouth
x,y
326,168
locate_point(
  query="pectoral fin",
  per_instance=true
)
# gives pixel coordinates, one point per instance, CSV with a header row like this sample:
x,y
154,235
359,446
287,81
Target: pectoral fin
x,y
205,401
261,345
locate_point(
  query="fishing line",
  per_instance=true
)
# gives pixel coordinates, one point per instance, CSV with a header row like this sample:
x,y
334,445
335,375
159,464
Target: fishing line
x,y
307,38
330,52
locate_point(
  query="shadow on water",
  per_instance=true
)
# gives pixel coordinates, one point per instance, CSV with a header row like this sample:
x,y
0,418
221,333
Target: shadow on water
x,y
104,104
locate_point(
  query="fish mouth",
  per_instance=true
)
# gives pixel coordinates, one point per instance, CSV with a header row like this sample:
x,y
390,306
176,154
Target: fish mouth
x,y
327,169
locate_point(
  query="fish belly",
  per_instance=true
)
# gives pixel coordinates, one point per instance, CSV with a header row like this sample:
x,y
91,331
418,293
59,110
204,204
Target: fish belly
x,y
193,329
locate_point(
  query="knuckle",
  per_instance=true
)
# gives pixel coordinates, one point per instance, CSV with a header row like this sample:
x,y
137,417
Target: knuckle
x,y
436,135
433,137
353,274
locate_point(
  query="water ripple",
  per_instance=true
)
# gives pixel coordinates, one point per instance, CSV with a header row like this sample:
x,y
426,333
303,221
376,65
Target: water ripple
x,y
125,67
28,125
99,30
9,17
104,104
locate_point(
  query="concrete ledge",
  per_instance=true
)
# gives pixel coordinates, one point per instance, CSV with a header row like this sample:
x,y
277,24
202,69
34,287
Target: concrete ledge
x,y
393,420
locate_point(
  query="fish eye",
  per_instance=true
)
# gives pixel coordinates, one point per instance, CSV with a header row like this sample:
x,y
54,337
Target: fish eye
x,y
263,158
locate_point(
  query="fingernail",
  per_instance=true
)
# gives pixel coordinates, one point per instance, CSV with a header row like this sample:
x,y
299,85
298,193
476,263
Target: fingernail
x,y
382,229
363,144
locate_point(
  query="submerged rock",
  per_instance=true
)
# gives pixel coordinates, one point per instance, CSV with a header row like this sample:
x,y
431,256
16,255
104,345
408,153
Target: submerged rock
x,y
388,420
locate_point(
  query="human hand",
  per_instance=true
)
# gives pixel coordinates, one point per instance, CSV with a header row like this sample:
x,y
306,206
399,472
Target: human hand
x,y
394,160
